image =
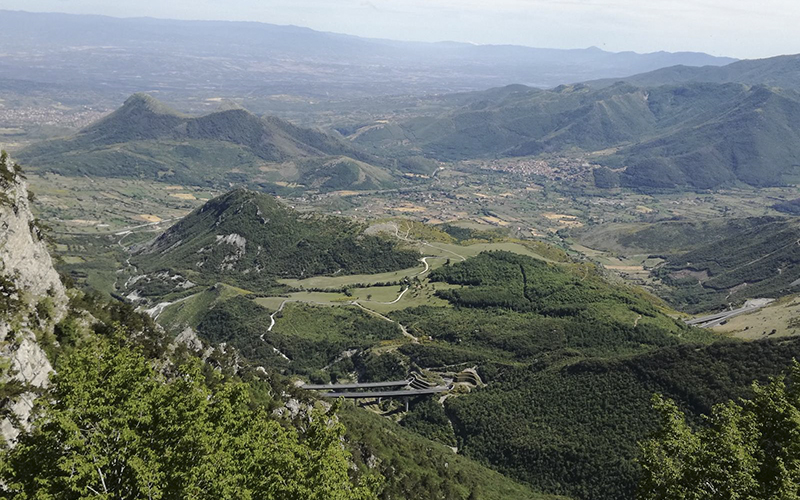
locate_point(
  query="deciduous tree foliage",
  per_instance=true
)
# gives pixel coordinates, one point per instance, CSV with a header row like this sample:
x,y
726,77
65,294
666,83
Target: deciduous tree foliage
x,y
115,428
749,450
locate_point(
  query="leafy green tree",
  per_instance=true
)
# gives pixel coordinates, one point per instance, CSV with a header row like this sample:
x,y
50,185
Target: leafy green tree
x,y
115,428
745,451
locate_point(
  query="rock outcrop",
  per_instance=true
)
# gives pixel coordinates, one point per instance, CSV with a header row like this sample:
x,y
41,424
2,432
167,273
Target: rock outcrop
x,y
32,301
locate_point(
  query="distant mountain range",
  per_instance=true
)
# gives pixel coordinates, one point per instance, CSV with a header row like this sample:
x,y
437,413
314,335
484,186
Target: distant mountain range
x,y
144,138
694,135
781,71
207,58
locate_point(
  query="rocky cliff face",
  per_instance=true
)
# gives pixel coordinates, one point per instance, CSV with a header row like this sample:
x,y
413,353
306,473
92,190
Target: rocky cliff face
x,y
32,301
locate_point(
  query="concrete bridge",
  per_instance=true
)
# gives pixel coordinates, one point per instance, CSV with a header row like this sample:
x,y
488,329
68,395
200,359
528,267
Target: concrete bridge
x,y
717,319
365,385
386,394
411,387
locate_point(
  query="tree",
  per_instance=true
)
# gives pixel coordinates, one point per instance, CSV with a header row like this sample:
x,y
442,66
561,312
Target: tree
x,y
114,428
744,451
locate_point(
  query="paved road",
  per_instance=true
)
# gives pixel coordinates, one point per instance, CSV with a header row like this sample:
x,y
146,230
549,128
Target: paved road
x,y
272,317
384,394
391,383
716,319
422,242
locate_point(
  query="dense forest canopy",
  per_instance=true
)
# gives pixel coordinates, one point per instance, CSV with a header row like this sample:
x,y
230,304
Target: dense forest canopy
x,y
250,239
747,449
114,427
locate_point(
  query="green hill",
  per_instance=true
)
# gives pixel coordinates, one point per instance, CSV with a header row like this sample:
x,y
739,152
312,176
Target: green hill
x,y
710,264
518,120
418,468
570,362
761,259
754,140
696,135
249,239
144,138
780,71
516,309
573,429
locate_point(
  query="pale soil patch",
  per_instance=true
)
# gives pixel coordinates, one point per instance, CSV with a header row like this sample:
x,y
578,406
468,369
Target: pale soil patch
x,y
780,316
644,209
685,273
495,221
604,152
558,217
411,208
173,188
183,196
82,222
626,268
481,195
345,192
149,217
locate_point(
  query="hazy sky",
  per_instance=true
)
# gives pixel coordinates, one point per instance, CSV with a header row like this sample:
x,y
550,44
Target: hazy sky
x,y
738,28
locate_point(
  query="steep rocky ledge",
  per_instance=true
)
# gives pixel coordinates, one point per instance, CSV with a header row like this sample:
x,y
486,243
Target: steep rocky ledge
x,y
32,301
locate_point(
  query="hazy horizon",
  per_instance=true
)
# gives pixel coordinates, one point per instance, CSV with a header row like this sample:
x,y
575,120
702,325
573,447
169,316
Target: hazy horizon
x,y
734,28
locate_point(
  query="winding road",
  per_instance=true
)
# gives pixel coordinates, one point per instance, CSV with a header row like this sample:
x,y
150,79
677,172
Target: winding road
x,y
422,242
272,317
269,329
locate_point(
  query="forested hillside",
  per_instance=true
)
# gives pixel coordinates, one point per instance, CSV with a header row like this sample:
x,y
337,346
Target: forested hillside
x,y
780,71
758,261
574,429
692,135
712,263
146,139
127,409
571,365
250,239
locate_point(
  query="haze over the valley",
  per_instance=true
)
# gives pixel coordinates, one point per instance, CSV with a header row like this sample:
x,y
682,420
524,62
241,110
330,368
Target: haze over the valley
x,y
735,28
399,249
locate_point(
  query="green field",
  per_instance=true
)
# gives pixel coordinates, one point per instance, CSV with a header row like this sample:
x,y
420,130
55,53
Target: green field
x,y
441,252
353,279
